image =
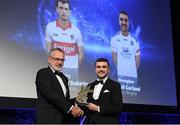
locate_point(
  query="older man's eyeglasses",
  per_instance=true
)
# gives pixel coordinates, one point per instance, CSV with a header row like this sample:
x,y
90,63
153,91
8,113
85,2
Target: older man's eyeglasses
x,y
57,59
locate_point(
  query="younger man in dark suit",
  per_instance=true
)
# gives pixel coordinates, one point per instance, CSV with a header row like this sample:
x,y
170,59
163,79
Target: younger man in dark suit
x,y
105,102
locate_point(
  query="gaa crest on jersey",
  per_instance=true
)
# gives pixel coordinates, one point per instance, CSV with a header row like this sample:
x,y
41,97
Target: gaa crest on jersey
x,y
72,37
132,43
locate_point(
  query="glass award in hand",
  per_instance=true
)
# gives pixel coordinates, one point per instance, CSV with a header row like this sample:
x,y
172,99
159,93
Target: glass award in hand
x,y
82,96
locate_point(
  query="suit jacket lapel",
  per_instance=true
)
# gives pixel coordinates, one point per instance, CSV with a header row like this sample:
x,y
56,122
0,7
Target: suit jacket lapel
x,y
56,81
105,86
66,85
65,82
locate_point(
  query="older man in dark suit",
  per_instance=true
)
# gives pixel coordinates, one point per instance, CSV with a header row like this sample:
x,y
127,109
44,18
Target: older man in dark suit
x,y
53,92
105,102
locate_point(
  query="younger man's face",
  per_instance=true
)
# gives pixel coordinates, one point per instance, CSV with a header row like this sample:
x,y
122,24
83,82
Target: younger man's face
x,y
102,70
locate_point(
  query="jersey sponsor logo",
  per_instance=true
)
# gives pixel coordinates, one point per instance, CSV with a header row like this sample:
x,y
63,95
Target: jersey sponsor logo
x,y
70,49
125,53
126,50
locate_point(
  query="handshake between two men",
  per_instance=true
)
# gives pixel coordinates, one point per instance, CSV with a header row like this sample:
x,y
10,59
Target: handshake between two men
x,y
76,111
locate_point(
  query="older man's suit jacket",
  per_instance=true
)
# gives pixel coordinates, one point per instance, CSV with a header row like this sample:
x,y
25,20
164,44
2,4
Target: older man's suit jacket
x,y
52,105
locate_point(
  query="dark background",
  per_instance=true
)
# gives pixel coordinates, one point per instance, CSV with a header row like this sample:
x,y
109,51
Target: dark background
x,y
26,111
176,41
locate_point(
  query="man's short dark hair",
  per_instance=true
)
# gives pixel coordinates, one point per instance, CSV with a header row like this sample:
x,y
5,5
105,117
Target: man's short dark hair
x,y
62,1
123,12
102,60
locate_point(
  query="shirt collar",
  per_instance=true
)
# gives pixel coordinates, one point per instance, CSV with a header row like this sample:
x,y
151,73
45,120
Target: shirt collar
x,y
52,70
68,26
104,80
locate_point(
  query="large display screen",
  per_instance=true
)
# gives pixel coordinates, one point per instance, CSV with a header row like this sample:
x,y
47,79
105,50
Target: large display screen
x,y
23,48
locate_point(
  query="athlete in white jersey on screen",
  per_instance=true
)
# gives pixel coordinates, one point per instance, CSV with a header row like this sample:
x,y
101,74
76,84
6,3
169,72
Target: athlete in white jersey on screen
x,y
126,55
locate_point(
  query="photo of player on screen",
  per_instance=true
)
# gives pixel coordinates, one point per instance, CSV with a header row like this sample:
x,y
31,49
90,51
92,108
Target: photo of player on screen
x,y
61,33
126,55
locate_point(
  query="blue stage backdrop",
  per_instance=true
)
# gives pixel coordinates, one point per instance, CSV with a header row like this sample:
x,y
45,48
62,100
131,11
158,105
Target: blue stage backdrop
x,y
23,52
